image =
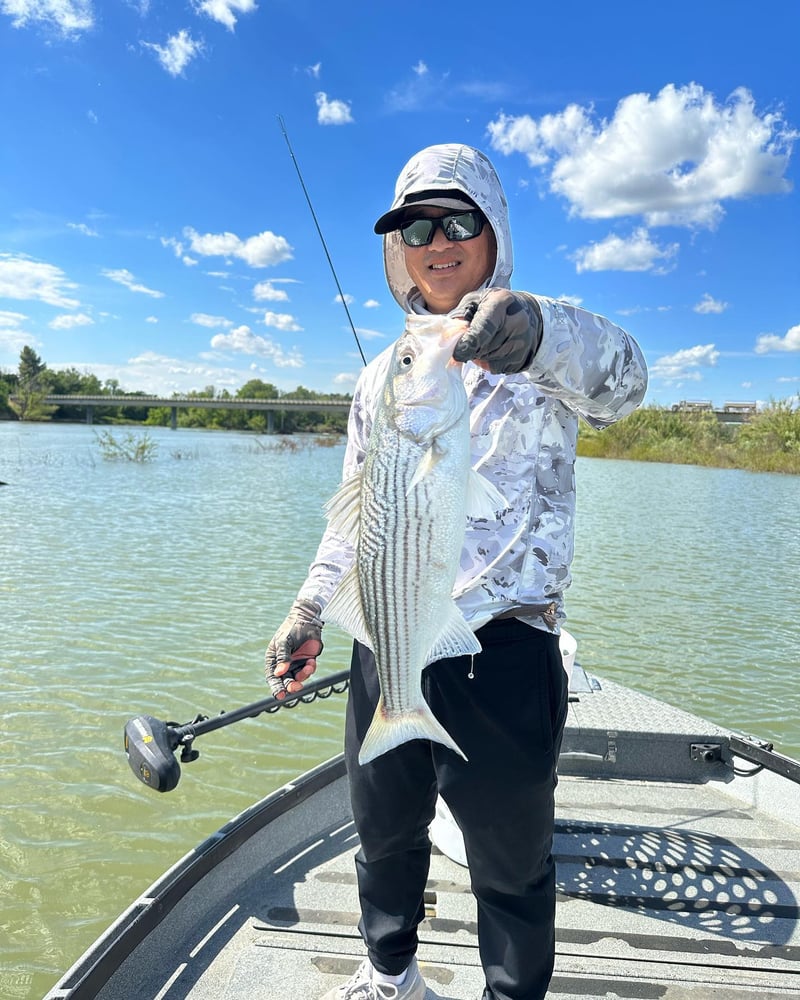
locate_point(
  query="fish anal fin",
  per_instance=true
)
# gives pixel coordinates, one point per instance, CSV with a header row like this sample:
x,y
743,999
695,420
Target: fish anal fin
x,y
455,639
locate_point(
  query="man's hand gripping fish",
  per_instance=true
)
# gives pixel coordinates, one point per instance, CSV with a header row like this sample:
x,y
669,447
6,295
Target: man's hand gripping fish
x,y
405,513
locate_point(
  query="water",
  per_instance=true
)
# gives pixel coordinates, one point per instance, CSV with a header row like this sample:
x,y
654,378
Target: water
x,y
153,588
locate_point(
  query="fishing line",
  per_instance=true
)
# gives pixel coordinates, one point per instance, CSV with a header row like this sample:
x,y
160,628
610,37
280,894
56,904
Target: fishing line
x,y
322,238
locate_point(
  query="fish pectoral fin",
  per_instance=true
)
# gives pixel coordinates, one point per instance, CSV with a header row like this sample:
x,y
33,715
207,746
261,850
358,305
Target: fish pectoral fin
x,y
484,500
346,610
343,508
426,465
455,639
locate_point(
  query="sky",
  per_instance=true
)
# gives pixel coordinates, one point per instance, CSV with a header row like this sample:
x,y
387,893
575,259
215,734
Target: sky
x,y
154,229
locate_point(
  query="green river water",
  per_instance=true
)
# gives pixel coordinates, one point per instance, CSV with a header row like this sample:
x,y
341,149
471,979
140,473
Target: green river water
x,y
153,588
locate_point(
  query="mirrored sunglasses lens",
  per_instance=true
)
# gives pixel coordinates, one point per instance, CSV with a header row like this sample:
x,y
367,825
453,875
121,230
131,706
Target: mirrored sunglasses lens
x,y
462,227
418,232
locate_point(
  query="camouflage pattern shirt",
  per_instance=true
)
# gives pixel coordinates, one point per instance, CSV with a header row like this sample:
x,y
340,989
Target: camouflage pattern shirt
x,y
523,427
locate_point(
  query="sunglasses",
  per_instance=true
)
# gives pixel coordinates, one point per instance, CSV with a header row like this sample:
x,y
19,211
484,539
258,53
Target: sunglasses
x,y
457,227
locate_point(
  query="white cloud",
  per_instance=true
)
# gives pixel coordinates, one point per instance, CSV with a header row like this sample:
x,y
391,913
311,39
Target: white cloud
x,y
151,319
770,342
203,319
265,291
314,70
614,253
673,159
348,300
243,341
224,11
264,250
70,320
332,112
370,334
70,17
345,378
372,304
122,276
81,227
281,321
11,319
685,364
420,69
179,51
22,277
710,305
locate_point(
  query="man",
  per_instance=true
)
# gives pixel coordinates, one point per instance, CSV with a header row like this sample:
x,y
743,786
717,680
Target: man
x,y
532,367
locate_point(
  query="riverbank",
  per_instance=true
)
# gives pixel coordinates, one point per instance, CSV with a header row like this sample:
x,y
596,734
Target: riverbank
x,y
768,442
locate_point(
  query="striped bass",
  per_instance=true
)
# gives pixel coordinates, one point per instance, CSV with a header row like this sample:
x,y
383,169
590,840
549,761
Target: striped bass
x,y
405,514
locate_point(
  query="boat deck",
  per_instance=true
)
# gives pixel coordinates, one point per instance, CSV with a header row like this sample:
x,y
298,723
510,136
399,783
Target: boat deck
x,y
675,889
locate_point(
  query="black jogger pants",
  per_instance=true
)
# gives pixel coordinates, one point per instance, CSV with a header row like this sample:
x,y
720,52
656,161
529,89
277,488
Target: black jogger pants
x,y
508,719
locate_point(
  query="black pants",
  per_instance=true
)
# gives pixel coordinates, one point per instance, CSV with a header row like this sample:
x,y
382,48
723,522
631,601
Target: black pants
x,y
508,720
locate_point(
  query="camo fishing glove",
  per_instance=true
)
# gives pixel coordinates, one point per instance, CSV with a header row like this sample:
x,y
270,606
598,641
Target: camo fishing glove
x,y
504,332
298,640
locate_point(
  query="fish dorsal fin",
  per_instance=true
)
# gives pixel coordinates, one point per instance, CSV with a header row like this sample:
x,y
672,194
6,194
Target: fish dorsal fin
x,y
346,610
484,500
343,508
455,639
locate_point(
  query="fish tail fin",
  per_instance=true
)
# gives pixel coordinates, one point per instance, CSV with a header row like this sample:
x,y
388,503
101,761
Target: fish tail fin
x,y
388,731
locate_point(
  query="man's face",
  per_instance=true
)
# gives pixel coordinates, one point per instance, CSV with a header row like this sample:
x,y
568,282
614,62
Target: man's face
x,y
445,271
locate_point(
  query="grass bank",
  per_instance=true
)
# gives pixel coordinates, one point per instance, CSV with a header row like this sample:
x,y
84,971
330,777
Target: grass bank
x,y
768,442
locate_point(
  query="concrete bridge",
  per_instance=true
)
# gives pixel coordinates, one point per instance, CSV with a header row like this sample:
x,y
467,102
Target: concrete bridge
x,y
175,403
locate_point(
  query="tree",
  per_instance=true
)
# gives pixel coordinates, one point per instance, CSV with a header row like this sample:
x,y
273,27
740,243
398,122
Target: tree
x,y
32,388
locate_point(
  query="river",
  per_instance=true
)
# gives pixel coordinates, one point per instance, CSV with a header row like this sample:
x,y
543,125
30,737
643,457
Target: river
x,y
129,588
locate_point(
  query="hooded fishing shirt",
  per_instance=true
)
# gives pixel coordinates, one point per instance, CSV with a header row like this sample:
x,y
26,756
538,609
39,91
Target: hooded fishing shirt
x,y
523,427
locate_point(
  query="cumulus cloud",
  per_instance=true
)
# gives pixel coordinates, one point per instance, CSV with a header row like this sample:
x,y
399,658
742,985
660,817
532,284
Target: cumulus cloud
x,y
242,340
708,304
264,250
70,17
22,277
372,304
265,291
332,112
314,70
685,365
178,52
771,342
636,253
281,321
673,159
204,319
345,378
69,321
13,336
224,11
122,276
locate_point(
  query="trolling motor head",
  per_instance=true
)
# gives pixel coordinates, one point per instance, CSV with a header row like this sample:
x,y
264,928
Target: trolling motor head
x,y
150,745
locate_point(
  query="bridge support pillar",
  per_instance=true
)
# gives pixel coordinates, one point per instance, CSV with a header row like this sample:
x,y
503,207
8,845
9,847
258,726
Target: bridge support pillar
x,y
270,422
89,414
174,418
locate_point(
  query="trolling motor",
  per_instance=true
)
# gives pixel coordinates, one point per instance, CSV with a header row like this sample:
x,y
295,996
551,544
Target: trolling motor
x,y
150,743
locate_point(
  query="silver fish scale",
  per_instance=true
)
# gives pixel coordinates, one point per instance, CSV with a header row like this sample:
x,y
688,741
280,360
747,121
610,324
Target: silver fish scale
x,y
401,556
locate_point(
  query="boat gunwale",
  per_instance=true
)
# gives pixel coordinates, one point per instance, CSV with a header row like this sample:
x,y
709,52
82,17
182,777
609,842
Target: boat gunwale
x,y
92,971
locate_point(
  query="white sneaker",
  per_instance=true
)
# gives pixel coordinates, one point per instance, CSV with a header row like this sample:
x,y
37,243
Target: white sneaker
x,y
362,987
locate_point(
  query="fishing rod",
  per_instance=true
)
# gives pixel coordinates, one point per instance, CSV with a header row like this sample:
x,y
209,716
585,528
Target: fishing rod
x,y
150,743
322,238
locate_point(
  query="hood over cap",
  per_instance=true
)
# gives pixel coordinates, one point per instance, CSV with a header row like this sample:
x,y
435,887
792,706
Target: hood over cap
x,y
452,169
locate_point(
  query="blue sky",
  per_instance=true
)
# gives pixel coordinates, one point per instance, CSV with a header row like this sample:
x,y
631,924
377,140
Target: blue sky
x,y
153,229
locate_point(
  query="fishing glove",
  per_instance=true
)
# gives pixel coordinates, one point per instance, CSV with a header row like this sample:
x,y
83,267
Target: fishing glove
x,y
298,641
505,329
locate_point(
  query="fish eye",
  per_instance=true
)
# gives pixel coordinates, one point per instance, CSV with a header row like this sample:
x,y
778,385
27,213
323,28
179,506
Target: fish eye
x,y
406,360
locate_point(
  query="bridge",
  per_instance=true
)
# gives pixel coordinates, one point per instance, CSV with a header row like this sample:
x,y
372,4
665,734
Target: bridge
x,y
175,403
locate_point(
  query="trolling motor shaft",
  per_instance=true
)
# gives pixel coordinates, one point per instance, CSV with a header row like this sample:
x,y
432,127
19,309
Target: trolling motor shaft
x,y
150,743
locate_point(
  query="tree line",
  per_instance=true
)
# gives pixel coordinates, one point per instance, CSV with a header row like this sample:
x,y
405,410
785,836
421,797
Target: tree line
x,y
34,381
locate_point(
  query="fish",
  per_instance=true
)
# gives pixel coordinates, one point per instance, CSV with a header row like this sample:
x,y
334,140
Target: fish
x,y
405,513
